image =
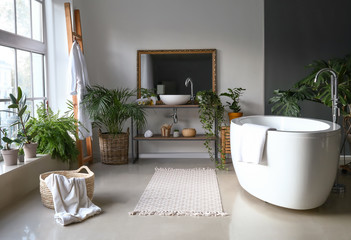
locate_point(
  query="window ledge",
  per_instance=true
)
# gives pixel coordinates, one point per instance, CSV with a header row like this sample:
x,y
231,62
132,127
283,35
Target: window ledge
x,y
5,169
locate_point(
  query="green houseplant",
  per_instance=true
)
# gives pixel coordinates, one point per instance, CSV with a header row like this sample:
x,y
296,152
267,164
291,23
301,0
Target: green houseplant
x,y
211,112
148,97
286,102
234,94
9,154
56,135
19,105
109,109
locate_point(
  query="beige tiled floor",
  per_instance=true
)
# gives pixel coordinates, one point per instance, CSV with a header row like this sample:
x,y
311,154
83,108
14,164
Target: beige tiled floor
x,y
118,189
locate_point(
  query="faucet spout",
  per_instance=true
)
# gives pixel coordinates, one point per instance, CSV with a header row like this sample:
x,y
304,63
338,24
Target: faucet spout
x,y
334,90
175,115
187,81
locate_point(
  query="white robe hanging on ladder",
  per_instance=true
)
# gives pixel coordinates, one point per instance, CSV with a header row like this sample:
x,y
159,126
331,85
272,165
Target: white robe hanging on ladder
x,y
78,77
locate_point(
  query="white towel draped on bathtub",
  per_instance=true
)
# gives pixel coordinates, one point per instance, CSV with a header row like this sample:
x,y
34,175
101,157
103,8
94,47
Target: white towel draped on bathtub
x,y
248,142
70,199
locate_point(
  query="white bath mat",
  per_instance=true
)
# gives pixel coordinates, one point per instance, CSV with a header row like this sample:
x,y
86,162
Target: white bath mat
x,y
181,192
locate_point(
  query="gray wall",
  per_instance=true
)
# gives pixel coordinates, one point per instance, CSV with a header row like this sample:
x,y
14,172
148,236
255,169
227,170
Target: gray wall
x,y
113,31
298,32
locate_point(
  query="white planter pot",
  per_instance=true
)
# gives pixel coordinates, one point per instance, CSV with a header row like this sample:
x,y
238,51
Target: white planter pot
x,y
30,150
10,156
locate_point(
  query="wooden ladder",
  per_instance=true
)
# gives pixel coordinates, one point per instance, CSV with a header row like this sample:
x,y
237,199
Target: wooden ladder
x,y
71,36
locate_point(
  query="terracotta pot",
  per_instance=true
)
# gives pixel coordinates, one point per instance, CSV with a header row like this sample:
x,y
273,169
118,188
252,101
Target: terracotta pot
x,y
10,156
233,115
30,150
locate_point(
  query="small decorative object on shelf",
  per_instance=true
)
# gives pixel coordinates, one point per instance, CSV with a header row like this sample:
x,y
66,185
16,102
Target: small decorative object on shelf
x,y
176,133
148,134
189,132
166,130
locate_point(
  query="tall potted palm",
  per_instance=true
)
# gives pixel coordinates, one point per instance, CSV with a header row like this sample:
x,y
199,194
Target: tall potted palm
x,y
109,109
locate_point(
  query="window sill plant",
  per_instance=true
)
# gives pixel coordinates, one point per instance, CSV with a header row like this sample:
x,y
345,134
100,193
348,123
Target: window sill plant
x,y
19,104
9,154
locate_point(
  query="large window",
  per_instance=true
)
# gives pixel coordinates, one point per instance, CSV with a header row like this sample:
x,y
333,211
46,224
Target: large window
x,y
22,53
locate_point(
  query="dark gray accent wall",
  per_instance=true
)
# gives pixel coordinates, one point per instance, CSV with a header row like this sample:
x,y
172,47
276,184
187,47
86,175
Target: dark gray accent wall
x,y
298,32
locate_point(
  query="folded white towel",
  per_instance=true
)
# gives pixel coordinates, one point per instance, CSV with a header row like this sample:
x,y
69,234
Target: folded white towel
x,y
248,142
70,198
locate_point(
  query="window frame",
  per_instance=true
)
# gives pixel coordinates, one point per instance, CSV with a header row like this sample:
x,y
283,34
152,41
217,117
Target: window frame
x,y
18,42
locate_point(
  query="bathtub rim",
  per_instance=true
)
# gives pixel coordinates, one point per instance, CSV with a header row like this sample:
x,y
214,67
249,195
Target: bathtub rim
x,y
333,127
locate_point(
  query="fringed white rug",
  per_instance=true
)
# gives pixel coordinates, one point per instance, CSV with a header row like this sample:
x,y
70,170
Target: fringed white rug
x,y
181,192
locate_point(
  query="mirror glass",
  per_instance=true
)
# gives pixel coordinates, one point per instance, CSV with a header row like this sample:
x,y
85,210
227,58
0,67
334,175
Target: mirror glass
x,y
165,71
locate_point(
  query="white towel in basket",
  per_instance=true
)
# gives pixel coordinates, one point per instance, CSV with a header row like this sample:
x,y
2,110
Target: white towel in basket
x,y
70,199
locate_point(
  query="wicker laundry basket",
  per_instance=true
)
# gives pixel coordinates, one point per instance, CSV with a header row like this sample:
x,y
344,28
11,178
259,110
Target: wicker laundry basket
x,y
114,147
46,196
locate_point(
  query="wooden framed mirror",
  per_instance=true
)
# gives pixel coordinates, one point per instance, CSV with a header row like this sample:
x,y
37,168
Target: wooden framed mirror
x,y
165,71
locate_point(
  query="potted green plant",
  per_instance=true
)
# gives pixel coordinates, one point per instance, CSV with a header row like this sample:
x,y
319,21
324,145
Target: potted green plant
x,y
286,102
211,117
56,135
109,109
18,103
20,154
9,154
175,133
148,95
234,106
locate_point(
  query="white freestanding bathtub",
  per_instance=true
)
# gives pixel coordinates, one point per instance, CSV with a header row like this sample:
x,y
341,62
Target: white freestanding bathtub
x,y
299,161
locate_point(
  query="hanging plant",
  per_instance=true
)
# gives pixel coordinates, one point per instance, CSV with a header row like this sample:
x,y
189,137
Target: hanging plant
x,y
211,117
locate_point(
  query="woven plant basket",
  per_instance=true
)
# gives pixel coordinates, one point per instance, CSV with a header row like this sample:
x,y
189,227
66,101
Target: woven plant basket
x,y
114,147
46,195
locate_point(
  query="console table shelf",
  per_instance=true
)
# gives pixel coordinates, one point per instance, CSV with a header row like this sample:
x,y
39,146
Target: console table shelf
x,y
158,137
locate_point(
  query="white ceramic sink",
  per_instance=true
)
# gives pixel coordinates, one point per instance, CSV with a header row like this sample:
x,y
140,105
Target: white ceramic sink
x,y
174,99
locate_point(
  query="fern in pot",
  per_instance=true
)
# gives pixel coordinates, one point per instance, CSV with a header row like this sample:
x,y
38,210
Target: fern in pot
x,y
56,135
110,109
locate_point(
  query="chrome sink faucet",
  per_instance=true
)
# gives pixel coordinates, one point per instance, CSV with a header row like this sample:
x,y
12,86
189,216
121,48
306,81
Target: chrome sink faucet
x,y
187,81
334,91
